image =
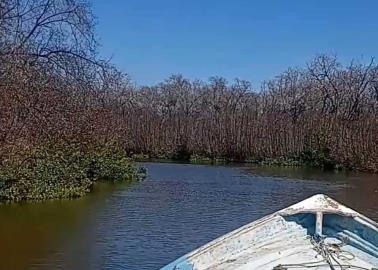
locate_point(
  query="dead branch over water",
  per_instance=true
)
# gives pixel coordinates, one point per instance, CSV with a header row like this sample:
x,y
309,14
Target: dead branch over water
x,y
53,88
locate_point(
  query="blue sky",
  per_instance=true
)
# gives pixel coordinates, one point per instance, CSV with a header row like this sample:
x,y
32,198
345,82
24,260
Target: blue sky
x,y
252,40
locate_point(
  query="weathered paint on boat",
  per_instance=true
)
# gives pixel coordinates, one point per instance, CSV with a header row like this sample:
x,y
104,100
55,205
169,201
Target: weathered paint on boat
x,y
309,234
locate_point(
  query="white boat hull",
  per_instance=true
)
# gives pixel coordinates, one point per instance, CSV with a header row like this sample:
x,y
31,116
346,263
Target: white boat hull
x,y
317,233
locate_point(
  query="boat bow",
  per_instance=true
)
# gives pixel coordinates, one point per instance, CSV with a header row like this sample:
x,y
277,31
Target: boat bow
x,y
317,233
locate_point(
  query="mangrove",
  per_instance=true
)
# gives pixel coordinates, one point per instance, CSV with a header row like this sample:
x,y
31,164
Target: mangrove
x,y
69,118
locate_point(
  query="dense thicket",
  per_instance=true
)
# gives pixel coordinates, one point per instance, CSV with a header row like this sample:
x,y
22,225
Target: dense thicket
x,y
324,115
67,118
55,118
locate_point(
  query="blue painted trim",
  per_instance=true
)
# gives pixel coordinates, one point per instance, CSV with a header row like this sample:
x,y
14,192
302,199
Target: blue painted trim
x,y
181,263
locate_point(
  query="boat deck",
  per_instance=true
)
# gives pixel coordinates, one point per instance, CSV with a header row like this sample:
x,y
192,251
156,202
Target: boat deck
x,y
291,247
317,233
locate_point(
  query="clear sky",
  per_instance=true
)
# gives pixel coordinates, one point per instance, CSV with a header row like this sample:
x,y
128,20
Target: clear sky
x,y
247,39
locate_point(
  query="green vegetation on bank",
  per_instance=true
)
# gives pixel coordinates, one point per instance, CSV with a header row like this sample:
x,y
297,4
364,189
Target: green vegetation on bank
x,y
307,158
60,171
69,170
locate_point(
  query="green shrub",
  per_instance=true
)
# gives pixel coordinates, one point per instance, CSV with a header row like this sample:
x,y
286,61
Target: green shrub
x,y
281,161
113,166
317,158
62,171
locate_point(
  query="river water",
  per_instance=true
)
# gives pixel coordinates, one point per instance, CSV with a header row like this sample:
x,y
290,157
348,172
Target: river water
x,y
176,209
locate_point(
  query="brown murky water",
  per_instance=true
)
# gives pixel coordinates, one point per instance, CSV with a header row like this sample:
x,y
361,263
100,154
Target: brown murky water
x,y
177,208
